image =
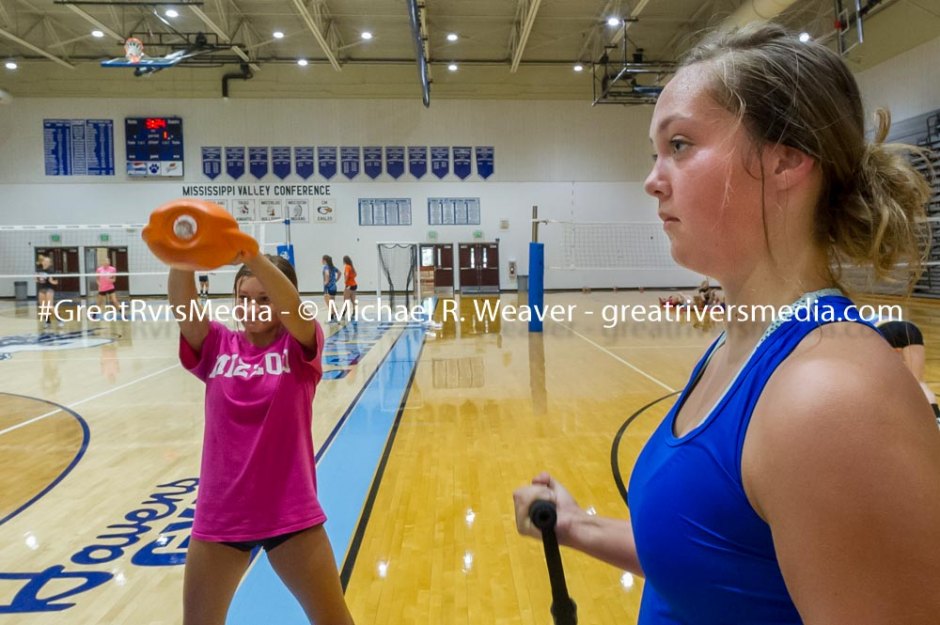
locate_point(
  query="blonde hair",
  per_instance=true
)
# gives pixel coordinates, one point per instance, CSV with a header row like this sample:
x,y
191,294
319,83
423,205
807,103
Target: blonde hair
x,y
871,211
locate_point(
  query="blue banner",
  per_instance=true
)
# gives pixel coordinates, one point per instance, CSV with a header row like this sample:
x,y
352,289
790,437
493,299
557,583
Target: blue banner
x,y
349,155
372,161
395,161
280,161
326,161
258,162
303,161
462,161
235,162
417,160
212,162
485,158
440,161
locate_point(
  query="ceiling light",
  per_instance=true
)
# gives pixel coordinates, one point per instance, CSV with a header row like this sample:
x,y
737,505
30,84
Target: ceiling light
x,y
613,21
804,37
302,62
171,13
452,37
11,65
366,35
97,33
452,67
278,34
579,68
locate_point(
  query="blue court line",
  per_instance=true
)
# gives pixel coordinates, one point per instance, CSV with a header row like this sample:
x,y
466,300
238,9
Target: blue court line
x,y
344,478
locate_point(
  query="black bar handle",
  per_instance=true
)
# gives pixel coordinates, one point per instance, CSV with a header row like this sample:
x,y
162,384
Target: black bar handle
x,y
544,516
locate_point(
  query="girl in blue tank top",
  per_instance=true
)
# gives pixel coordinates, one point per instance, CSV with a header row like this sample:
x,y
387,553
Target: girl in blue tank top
x,y
797,478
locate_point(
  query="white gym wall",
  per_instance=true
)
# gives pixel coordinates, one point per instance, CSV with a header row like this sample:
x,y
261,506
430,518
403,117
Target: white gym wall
x,y
574,161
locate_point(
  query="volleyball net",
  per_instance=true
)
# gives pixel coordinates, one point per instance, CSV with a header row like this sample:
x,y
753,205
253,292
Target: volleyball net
x,y
643,249
78,249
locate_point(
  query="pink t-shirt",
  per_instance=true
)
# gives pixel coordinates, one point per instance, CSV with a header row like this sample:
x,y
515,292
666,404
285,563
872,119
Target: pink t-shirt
x,y
106,278
258,478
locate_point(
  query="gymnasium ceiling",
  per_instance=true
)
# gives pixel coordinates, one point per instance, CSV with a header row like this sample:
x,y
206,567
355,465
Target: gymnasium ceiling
x,y
515,49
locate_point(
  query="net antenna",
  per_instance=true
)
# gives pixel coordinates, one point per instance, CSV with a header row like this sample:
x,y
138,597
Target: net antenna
x,y
398,282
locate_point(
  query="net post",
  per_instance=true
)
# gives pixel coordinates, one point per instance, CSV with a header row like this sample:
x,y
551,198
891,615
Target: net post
x,y
286,250
535,224
536,275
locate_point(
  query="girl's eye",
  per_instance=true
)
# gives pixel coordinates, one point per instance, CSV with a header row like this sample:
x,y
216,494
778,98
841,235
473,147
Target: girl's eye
x,y
678,145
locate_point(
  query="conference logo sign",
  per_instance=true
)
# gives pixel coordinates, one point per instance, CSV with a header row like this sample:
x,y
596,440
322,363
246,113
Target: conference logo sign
x,y
324,211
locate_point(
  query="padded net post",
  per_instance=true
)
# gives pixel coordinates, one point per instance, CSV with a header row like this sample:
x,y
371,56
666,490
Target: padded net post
x,y
536,295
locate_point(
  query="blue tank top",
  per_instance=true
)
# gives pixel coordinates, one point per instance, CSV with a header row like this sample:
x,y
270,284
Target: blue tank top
x,y
333,276
708,558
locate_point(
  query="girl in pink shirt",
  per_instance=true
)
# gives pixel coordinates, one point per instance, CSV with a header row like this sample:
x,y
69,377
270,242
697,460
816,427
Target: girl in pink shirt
x,y
257,484
106,288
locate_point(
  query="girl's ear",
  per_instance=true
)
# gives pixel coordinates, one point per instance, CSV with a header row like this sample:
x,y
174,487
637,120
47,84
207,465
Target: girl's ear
x,y
789,166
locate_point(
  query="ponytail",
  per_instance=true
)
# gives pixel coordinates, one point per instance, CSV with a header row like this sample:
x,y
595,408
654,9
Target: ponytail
x,y
880,220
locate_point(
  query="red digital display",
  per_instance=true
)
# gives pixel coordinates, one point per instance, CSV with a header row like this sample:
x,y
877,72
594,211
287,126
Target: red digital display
x,y
155,123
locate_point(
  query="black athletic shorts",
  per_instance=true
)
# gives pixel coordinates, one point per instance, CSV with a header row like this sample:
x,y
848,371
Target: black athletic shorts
x,y
265,543
901,334
203,278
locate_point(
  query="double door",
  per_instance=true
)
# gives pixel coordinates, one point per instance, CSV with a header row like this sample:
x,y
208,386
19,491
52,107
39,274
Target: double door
x,y
479,267
65,260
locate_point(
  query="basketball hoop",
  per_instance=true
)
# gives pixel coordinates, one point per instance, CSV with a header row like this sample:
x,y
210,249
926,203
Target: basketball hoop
x,y
133,49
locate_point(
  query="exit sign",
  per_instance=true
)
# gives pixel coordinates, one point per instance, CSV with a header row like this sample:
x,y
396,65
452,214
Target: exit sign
x,y
55,238
104,238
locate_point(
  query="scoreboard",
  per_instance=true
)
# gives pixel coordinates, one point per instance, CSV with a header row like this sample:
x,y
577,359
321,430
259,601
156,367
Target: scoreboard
x,y
154,146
